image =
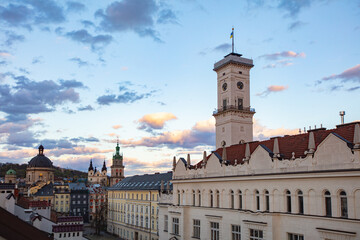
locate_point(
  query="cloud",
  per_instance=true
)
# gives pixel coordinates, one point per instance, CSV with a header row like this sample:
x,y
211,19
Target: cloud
x,y
76,151
12,38
296,25
351,74
86,108
153,121
272,88
15,15
75,6
134,166
4,54
80,62
37,60
125,95
135,15
225,47
293,7
117,126
96,42
82,139
87,23
284,54
353,89
261,132
279,63
124,68
190,138
28,96
167,16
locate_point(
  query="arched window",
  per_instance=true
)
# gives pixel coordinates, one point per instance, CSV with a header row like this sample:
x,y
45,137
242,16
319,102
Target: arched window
x,y
288,201
328,212
257,199
193,197
217,198
183,198
301,202
267,201
240,200
199,198
343,205
178,196
232,200
211,199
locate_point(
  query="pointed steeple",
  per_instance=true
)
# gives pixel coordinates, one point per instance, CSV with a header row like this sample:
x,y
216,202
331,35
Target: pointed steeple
x,y
188,161
174,163
311,144
276,150
91,166
247,152
224,155
117,147
357,136
204,160
95,170
104,167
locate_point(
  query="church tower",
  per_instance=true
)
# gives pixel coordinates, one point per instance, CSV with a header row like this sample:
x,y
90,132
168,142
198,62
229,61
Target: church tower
x,y
117,168
234,117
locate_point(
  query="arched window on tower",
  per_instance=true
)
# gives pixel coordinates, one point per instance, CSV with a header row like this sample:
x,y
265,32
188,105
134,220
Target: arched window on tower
x,y
217,198
193,197
199,198
240,200
267,201
301,202
343,205
288,201
257,199
232,199
328,211
211,199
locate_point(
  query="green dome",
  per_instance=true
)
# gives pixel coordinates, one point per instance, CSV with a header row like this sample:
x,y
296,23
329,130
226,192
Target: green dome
x,y
11,172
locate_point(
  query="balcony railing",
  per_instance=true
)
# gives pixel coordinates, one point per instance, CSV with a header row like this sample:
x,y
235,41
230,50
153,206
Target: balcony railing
x,y
234,107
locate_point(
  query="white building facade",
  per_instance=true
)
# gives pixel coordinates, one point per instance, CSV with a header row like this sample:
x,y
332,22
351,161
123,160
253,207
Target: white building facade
x,y
304,186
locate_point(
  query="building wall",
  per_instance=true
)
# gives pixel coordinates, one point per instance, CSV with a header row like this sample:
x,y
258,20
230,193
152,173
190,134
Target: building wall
x,y
270,191
35,174
79,204
128,212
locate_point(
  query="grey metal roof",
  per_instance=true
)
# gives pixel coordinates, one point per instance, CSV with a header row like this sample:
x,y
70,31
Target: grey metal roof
x,y
143,182
46,190
77,186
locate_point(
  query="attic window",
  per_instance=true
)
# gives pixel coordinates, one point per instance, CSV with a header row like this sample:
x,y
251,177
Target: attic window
x,y
240,72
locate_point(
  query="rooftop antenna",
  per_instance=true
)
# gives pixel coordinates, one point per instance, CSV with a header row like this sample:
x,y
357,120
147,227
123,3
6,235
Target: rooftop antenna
x,y
342,114
232,38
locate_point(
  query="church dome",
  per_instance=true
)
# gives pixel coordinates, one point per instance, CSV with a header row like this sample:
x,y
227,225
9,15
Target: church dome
x,y
40,160
11,172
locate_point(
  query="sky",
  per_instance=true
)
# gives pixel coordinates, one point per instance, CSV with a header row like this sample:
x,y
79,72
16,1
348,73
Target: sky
x,y
75,76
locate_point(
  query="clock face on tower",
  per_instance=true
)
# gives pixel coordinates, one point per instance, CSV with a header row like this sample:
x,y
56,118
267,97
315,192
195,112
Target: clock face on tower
x,y
240,85
224,86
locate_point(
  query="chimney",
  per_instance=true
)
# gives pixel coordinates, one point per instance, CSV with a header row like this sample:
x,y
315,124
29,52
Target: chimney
x,y
174,163
188,161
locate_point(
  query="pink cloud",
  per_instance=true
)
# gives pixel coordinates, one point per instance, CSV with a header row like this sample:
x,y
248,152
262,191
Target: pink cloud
x,y
351,74
272,88
262,132
284,54
117,126
155,120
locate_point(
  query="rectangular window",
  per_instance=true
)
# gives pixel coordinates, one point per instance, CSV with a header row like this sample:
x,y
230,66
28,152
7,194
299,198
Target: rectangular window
x,y
235,232
293,236
175,226
224,104
196,228
214,231
240,103
256,234
267,199
166,220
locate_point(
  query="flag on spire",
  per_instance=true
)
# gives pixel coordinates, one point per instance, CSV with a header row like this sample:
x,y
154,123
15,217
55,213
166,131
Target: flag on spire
x,y
232,33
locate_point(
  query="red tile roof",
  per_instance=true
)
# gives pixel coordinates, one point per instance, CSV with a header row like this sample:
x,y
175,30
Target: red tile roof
x,y
288,144
68,228
27,203
70,219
